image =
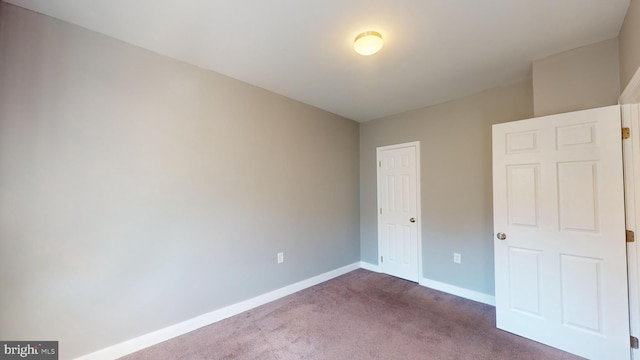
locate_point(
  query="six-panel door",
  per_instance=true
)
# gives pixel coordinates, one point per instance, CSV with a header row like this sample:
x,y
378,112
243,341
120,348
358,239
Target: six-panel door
x,y
558,197
397,211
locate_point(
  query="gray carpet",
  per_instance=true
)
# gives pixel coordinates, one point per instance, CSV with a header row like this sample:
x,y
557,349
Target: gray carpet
x,y
360,315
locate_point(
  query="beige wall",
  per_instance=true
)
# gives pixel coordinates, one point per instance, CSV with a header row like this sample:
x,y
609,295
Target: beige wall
x,y
578,79
455,143
137,191
629,43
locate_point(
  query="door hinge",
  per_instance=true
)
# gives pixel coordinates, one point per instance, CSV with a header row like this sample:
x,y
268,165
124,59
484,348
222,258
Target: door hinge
x,y
634,342
380,211
379,163
630,236
626,133
381,259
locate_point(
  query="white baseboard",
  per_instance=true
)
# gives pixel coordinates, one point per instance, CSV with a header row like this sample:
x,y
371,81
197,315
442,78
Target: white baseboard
x,y
458,291
156,337
450,289
369,266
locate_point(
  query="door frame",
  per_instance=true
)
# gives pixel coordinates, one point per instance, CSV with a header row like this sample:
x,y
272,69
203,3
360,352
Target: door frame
x,y
630,107
416,145
631,163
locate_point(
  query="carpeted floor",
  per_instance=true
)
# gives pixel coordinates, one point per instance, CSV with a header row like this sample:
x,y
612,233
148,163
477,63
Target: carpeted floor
x,y
360,315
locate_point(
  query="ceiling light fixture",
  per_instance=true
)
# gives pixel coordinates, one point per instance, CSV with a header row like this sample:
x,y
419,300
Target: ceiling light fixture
x,y
368,43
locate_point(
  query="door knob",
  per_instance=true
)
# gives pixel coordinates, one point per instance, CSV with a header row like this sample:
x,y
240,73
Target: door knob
x,y
412,219
501,236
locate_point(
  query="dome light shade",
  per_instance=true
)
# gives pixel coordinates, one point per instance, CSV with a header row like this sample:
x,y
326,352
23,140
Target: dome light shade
x,y
368,43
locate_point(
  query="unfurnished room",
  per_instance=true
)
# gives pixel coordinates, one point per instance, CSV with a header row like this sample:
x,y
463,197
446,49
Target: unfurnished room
x,y
208,179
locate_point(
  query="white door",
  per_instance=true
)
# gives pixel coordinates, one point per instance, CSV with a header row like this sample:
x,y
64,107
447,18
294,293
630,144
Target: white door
x,y
398,210
558,199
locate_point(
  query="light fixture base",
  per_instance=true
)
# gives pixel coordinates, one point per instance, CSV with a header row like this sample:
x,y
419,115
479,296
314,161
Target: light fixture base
x,y
368,43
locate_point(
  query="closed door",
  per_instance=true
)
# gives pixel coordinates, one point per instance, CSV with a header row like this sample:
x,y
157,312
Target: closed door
x,y
398,210
560,262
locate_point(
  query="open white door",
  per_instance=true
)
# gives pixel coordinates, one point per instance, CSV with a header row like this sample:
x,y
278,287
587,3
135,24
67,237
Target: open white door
x,y
399,210
560,251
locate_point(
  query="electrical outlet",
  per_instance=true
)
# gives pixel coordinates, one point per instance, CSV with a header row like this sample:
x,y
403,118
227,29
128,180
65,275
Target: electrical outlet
x,y
280,258
457,258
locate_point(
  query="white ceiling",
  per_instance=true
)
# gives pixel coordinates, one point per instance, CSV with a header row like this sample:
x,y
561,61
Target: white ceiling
x,y
435,50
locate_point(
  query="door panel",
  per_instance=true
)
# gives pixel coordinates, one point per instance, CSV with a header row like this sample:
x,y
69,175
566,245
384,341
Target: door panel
x,y
524,287
397,205
558,197
581,291
522,186
578,192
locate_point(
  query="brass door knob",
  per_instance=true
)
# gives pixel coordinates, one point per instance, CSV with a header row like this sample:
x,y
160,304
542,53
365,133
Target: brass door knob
x,y
501,236
412,219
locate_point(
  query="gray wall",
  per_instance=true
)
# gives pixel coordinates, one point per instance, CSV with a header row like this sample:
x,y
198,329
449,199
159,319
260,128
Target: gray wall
x,y
629,43
137,191
578,79
455,144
